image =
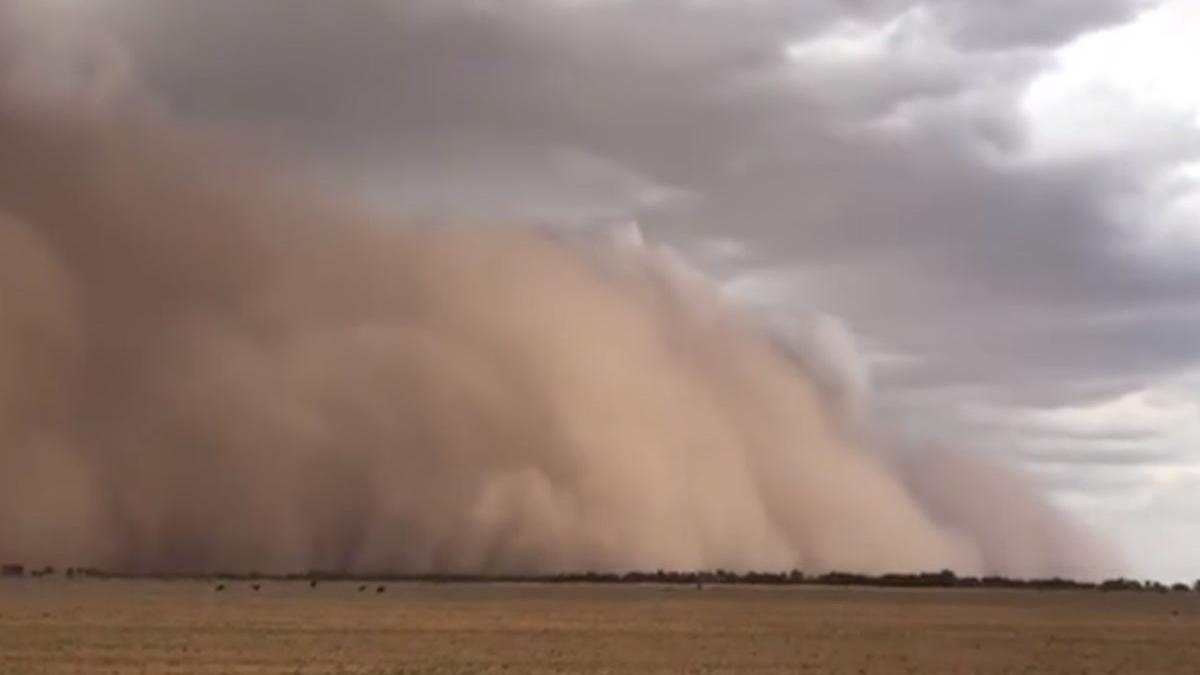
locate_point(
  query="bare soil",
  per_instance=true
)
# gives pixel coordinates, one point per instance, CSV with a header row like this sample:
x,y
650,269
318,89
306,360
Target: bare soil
x,y
122,627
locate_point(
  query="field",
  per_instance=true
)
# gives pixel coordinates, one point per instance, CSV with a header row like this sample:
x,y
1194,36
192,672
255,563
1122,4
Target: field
x,y
111,626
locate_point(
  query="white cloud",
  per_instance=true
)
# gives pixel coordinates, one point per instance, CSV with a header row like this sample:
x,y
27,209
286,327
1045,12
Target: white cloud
x,y
1120,91
1156,410
1129,95
858,63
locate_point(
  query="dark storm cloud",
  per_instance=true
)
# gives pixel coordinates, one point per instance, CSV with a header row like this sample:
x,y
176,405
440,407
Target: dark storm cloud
x,y
1031,22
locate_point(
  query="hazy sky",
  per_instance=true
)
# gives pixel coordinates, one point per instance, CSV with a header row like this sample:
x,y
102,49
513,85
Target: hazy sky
x,y
1000,200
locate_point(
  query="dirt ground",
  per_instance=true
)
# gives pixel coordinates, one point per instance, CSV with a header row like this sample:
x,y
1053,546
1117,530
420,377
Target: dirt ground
x,y
109,626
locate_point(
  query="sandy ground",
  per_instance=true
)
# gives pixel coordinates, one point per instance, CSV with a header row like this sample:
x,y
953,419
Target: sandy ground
x,y
96,626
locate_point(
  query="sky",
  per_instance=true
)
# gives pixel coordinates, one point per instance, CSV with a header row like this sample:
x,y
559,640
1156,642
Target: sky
x,y
993,208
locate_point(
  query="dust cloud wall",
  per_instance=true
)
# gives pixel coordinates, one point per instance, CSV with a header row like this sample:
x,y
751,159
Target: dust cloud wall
x,y
207,365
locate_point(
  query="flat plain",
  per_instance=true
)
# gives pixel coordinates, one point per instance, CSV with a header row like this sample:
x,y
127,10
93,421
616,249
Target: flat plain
x,y
123,627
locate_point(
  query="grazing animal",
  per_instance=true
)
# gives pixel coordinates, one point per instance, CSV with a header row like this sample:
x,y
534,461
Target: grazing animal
x,y
219,588
381,589
312,584
256,587
361,589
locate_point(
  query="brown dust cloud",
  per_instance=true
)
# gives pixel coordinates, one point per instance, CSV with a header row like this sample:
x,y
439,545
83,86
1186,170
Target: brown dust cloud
x,y
209,365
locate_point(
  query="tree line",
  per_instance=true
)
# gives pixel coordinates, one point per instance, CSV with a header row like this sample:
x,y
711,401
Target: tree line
x,y
942,579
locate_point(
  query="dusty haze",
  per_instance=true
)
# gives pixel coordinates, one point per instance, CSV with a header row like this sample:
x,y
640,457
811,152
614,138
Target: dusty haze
x,y
205,365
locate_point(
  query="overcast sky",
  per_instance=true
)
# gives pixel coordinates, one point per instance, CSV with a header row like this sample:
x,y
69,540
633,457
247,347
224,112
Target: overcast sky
x,y
999,200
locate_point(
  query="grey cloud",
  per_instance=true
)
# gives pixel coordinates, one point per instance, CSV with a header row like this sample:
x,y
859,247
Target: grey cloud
x,y
983,24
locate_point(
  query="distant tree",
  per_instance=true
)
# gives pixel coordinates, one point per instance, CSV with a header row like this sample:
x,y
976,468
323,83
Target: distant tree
x,y
1120,584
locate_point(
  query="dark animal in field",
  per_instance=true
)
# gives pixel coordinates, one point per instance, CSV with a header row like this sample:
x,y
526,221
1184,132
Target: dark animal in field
x,y
256,587
312,584
381,589
219,588
361,589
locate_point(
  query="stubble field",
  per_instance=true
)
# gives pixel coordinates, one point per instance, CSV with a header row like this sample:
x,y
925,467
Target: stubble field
x,y
111,626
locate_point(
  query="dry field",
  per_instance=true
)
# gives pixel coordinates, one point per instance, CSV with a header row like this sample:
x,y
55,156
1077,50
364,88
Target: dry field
x,y
95,626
